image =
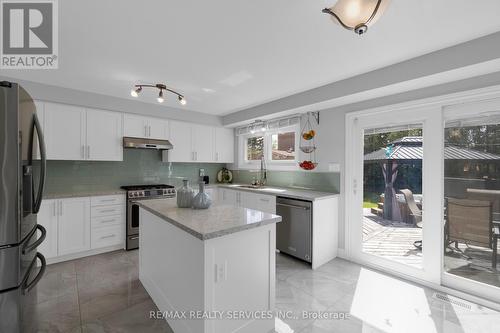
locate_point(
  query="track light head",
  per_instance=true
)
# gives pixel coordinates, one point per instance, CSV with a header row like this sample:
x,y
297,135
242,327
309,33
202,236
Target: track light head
x,y
182,100
160,98
135,92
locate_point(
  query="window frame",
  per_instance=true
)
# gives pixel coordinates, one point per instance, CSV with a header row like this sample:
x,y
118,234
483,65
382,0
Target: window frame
x,y
270,163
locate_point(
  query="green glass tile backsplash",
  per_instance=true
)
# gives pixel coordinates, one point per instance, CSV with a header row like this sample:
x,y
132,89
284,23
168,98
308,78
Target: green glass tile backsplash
x,y
318,181
139,166
142,166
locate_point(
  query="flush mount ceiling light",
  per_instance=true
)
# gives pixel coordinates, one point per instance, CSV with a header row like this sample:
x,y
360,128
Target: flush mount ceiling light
x,y
160,86
356,15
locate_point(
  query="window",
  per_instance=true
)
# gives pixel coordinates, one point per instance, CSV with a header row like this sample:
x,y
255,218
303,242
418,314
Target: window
x,y
279,148
254,148
283,146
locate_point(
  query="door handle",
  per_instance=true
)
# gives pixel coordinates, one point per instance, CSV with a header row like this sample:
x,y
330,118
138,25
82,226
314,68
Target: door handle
x,y
134,238
28,286
292,206
29,248
37,201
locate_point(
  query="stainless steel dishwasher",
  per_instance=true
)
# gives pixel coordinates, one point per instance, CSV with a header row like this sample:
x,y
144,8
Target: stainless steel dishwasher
x,y
294,233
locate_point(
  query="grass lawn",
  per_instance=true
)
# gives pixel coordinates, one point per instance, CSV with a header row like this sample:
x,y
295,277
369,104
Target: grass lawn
x,y
368,204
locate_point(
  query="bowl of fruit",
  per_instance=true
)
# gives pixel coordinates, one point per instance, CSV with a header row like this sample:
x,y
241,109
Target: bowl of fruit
x,y
308,165
308,135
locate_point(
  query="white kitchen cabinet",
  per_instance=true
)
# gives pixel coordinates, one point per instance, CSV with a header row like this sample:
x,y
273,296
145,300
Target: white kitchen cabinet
x,y
158,129
263,202
104,136
180,137
145,127
134,126
224,145
202,143
73,225
47,217
228,197
64,132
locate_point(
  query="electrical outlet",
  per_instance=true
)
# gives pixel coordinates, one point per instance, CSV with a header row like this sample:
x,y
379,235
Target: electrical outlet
x,y
221,272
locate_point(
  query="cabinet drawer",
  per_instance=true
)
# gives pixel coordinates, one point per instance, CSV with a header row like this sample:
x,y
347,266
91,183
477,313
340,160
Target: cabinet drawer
x,y
107,236
267,203
107,200
105,221
108,210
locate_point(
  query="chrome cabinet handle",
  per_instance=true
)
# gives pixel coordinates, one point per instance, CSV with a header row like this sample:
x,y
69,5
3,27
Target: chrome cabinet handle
x,y
109,236
54,208
107,210
60,208
145,130
107,221
88,152
83,151
264,200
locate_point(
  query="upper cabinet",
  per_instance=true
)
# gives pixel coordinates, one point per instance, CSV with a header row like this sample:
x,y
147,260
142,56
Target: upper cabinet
x,y
224,145
145,127
202,138
104,136
200,143
76,133
64,132
180,137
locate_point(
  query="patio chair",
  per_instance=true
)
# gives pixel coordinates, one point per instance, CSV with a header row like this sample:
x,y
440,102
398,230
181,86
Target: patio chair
x,y
470,222
415,213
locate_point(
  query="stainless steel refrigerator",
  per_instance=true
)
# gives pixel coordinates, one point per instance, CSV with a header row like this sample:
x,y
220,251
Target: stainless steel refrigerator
x,y
22,178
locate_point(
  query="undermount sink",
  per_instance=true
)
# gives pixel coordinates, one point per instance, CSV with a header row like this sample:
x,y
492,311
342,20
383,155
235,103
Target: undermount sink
x,y
260,187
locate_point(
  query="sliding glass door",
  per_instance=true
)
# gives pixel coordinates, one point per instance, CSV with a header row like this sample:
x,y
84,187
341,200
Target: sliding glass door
x,y
392,225
423,194
472,199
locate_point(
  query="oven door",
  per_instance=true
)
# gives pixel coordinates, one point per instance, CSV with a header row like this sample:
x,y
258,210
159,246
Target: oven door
x,y
132,218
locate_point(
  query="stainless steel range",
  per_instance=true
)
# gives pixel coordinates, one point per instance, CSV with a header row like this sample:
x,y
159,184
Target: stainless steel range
x,y
141,192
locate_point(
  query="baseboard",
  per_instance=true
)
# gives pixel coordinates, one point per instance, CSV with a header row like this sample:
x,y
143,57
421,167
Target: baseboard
x,y
78,255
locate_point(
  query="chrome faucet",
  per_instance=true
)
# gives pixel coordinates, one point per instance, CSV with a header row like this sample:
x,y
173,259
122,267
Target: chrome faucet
x,y
263,172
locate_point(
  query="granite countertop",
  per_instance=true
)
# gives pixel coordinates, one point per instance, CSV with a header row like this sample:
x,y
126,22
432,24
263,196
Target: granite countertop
x,y
216,221
288,192
81,192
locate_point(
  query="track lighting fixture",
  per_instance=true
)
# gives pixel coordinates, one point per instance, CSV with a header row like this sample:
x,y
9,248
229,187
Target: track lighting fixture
x,y
138,88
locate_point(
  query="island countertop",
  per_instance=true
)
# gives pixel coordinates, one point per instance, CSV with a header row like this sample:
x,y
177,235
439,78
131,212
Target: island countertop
x,y
216,221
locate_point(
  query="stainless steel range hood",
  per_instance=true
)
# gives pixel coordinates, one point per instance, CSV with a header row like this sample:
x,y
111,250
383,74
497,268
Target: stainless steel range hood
x,y
143,143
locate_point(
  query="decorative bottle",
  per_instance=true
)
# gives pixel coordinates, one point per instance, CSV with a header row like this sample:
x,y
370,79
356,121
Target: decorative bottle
x,y
185,195
202,199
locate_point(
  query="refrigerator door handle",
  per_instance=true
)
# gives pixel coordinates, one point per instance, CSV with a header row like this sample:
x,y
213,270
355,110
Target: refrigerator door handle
x,y
37,201
28,248
28,286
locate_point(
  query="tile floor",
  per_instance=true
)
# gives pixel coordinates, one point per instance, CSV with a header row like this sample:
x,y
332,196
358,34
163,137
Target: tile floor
x,y
103,294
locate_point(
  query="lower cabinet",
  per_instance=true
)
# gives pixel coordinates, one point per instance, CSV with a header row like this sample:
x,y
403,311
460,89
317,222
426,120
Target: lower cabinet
x,y
257,201
75,226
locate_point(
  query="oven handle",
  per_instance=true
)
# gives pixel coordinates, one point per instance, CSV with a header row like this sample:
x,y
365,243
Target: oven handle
x,y
135,237
28,248
28,286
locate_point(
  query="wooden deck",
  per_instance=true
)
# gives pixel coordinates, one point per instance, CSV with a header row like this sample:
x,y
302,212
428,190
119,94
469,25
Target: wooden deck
x,y
394,241
391,240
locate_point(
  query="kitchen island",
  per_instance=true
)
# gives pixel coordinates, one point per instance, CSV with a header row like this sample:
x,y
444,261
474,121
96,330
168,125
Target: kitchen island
x,y
209,270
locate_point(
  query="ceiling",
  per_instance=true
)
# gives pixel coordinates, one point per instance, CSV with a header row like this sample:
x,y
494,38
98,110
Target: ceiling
x,y
227,55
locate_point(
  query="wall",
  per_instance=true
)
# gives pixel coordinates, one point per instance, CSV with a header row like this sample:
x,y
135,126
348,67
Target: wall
x,y
55,94
139,166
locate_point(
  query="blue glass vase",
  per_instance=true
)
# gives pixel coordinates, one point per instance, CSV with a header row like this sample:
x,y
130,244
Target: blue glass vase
x,y
202,199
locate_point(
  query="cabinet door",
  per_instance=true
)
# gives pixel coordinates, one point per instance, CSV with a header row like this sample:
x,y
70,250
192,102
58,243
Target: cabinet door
x,y
180,137
104,135
73,225
203,143
228,197
134,126
64,132
248,200
224,145
158,129
47,217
